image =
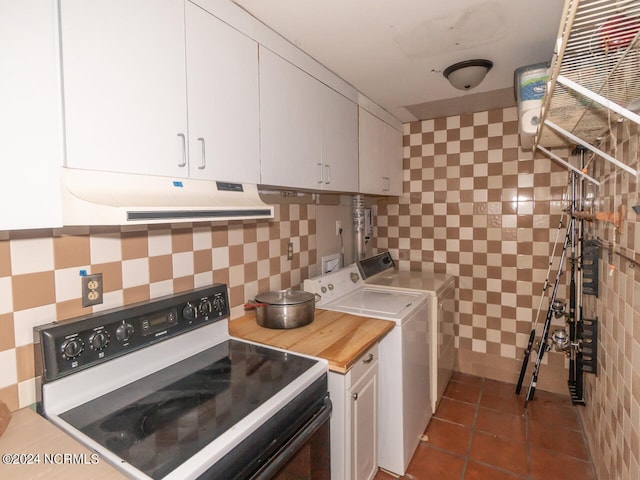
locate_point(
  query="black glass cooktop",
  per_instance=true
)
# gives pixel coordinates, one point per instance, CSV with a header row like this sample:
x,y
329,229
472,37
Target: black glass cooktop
x,y
161,420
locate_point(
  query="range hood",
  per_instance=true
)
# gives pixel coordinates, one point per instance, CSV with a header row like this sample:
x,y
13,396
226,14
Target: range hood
x,y
105,198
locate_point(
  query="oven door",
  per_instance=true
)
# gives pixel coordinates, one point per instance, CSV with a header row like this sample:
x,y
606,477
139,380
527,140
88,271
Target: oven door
x,y
294,443
306,455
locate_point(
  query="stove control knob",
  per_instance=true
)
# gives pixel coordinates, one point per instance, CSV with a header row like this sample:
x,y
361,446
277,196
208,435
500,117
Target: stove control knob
x,y
189,312
124,332
330,286
205,307
219,304
323,289
72,348
99,340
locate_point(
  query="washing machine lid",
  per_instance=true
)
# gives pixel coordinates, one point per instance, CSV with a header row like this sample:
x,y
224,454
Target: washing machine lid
x,y
429,282
379,303
381,270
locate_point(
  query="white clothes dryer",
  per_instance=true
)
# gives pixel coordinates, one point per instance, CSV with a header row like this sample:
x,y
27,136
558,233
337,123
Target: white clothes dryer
x,y
380,271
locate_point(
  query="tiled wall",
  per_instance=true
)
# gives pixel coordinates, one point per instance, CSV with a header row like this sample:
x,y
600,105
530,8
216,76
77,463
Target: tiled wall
x,y
39,273
612,414
476,206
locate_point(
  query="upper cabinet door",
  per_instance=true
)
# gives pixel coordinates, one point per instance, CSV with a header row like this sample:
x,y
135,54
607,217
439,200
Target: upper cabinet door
x,y
339,143
222,86
392,159
123,65
290,124
30,130
309,136
380,164
371,145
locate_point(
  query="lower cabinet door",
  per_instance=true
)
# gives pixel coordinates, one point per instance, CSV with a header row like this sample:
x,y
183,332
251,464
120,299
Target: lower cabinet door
x,y
364,430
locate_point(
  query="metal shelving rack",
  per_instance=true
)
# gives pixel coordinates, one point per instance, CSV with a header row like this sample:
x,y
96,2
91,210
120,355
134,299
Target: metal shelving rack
x,y
594,78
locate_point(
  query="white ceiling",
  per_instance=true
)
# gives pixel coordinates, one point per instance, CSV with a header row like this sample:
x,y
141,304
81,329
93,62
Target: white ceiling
x,y
394,51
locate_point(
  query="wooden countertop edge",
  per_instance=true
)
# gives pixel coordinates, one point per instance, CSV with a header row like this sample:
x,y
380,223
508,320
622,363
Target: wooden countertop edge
x,y
338,337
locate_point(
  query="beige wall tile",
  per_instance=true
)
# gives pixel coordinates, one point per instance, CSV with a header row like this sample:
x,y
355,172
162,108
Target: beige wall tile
x,y
71,251
5,258
183,284
6,332
219,236
9,395
202,261
136,294
33,290
160,268
134,245
71,309
181,240
111,275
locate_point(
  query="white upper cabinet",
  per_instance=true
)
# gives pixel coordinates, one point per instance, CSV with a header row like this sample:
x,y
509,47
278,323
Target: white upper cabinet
x,y
290,124
308,131
339,142
123,65
30,127
222,86
160,88
380,165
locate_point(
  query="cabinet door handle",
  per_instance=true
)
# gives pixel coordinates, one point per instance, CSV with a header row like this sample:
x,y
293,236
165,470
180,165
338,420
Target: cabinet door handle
x,y
355,396
369,359
184,150
328,167
204,160
386,184
321,172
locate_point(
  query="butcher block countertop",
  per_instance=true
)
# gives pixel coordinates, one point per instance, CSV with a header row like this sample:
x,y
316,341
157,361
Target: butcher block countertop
x,y
337,337
31,447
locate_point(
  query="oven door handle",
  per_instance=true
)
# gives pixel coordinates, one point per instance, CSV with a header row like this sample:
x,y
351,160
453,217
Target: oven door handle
x,y
289,449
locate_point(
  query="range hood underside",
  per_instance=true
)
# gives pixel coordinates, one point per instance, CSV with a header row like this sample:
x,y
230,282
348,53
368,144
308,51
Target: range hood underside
x,y
106,198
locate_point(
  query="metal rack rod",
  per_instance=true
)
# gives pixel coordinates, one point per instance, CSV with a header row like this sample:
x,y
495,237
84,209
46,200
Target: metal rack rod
x,y
588,146
568,165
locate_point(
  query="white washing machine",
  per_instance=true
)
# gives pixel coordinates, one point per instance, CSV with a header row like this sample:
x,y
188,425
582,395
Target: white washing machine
x,y
404,403
379,272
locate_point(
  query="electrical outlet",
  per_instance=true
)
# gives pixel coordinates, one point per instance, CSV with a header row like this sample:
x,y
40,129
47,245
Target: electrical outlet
x,y
290,251
91,289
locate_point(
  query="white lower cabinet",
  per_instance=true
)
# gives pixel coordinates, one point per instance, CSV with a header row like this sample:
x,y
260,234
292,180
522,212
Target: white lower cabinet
x,y
354,431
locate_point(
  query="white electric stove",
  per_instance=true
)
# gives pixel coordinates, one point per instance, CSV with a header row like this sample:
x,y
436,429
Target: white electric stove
x,y
404,394
161,391
379,272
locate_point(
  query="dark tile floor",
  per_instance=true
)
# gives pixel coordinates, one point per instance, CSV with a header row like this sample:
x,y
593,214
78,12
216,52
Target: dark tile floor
x,y
481,430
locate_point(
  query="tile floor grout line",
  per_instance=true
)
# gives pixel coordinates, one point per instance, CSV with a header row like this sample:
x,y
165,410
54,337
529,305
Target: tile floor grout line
x,y
586,441
472,432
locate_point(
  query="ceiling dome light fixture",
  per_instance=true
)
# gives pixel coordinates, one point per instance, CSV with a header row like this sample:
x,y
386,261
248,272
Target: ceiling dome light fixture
x,y
468,74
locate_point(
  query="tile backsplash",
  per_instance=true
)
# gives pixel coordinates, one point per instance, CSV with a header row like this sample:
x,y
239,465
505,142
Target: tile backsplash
x,y
40,269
